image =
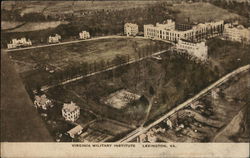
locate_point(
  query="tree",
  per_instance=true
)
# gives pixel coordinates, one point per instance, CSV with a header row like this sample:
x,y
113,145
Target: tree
x,y
151,90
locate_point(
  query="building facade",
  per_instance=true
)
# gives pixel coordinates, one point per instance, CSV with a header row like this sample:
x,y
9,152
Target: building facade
x,y
183,27
131,29
236,33
70,111
42,102
167,31
22,42
84,35
198,50
54,39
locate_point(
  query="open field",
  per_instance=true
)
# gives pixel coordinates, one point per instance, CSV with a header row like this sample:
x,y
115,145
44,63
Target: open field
x,y
202,12
31,62
62,7
35,26
86,51
9,24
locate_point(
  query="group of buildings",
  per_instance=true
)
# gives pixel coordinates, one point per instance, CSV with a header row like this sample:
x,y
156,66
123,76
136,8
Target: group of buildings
x,y
23,42
191,38
174,32
70,112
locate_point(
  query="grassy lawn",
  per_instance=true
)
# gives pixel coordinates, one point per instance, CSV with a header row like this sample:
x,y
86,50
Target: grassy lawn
x,y
202,12
87,51
34,26
74,55
62,7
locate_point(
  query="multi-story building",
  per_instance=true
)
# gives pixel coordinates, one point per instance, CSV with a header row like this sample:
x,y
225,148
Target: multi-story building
x,y
23,42
84,35
198,50
55,39
236,33
42,102
168,32
70,111
131,29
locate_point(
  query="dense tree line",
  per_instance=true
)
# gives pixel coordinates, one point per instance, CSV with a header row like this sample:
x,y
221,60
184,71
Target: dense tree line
x,y
241,8
15,15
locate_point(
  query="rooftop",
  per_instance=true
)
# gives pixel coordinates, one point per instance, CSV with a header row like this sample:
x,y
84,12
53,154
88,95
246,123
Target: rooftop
x,y
70,107
41,99
75,130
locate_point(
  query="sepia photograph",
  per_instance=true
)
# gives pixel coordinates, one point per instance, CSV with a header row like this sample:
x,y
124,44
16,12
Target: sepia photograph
x,y
129,75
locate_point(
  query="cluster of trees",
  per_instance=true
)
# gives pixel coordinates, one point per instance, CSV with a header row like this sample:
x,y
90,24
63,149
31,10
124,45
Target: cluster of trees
x,y
78,70
15,15
241,8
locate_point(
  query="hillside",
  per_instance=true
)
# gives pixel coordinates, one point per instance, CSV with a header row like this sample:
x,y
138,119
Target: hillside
x,y
201,12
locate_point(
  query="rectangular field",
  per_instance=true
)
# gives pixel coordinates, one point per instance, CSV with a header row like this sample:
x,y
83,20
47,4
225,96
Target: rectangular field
x,y
92,51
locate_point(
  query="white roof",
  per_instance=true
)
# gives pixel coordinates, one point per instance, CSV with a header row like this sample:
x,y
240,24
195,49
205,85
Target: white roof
x,y
41,99
75,130
70,107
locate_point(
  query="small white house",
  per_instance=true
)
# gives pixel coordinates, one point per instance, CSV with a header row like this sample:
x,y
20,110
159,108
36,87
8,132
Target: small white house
x,y
43,102
84,35
23,42
75,131
54,39
70,111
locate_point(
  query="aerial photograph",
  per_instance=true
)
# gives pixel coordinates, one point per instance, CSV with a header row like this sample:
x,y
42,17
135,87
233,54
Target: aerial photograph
x,y
155,71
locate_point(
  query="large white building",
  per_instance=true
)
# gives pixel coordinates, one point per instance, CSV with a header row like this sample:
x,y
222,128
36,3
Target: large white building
x,y
70,111
167,31
84,35
55,39
131,29
236,33
23,42
198,50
